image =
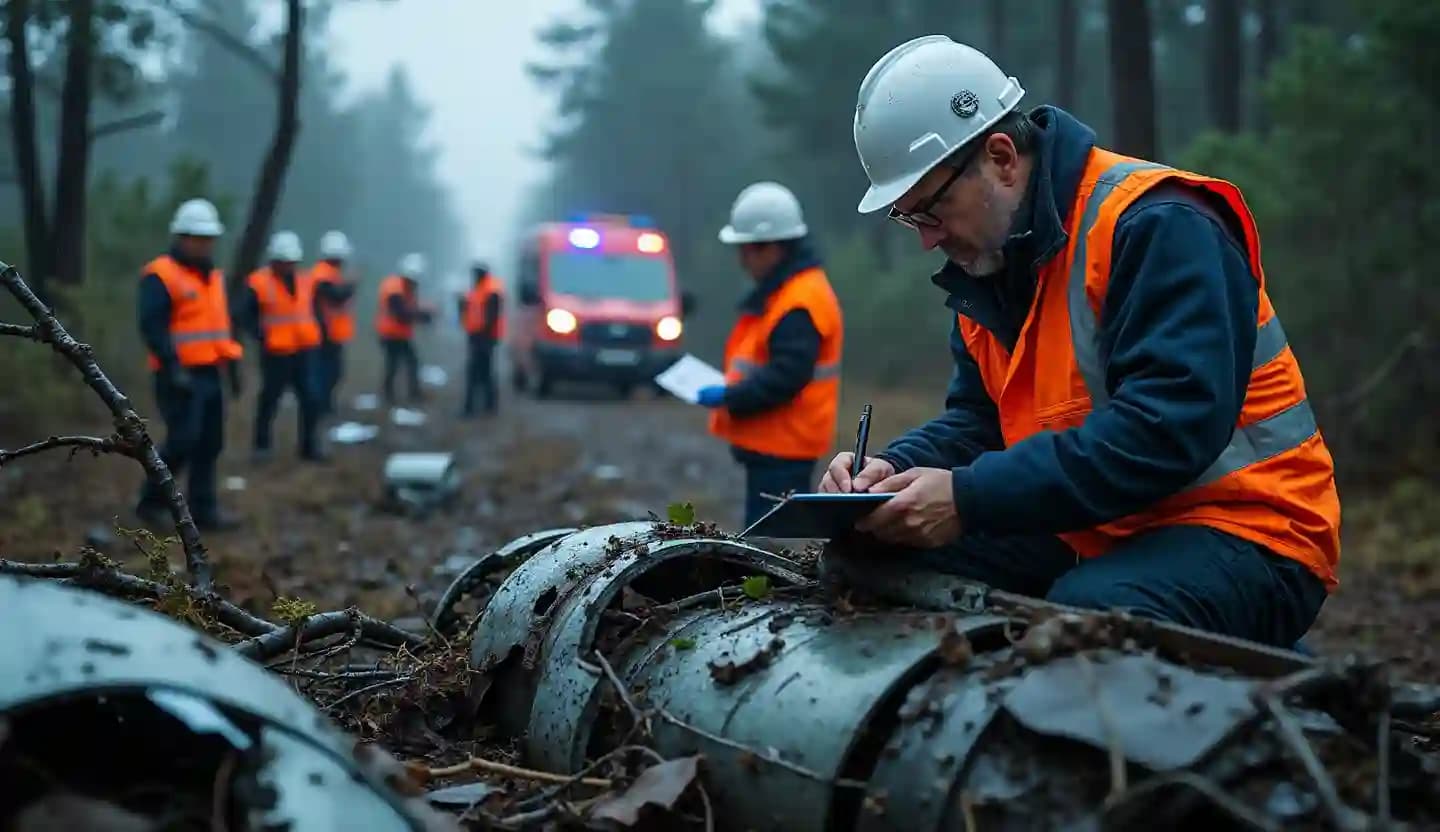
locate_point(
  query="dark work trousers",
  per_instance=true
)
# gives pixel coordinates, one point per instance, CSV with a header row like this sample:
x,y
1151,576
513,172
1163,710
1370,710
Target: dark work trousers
x,y
1191,575
194,436
331,361
297,373
398,352
773,476
480,374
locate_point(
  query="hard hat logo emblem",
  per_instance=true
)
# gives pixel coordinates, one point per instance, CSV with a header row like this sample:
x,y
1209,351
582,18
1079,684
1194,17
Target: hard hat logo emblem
x,y
965,104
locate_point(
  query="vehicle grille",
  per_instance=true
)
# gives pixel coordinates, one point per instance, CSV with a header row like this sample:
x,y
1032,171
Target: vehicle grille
x,y
615,335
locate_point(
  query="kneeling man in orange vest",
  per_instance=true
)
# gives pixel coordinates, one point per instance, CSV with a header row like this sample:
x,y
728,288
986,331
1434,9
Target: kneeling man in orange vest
x,y
1127,426
782,361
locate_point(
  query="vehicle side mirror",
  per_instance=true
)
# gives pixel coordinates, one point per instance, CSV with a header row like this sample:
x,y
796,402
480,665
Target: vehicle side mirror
x,y
687,304
529,294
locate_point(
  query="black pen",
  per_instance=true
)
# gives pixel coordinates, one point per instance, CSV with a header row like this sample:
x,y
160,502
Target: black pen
x,y
862,436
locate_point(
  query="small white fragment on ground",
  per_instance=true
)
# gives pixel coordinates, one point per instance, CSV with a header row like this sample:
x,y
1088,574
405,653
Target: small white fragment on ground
x,y
367,401
607,473
466,794
405,417
353,433
433,376
234,483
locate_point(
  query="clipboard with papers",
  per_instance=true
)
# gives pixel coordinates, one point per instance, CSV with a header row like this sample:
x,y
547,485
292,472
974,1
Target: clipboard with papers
x,y
815,516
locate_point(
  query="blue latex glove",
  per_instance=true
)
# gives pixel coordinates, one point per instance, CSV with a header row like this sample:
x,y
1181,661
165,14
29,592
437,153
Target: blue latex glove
x,y
712,396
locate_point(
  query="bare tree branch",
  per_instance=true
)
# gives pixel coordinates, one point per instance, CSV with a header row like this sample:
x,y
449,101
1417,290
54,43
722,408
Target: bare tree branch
x,y
227,39
272,644
21,331
121,125
115,582
96,445
128,424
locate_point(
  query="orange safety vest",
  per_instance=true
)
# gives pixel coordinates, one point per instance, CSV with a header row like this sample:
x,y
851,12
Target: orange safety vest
x,y
804,427
476,301
199,315
287,321
386,324
339,318
1274,484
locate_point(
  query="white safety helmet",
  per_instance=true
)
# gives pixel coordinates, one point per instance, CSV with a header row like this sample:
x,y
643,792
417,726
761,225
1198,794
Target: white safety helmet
x,y
334,245
412,265
197,218
920,103
764,212
285,247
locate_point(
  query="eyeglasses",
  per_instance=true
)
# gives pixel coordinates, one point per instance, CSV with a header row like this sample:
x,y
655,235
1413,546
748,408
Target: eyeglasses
x,y
921,216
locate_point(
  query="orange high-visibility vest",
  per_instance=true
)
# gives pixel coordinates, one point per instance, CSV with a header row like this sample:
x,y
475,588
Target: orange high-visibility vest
x,y
339,317
286,320
386,324
804,427
199,315
476,301
1274,484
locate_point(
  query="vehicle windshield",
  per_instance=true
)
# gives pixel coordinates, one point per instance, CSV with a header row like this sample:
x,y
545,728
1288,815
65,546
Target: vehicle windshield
x,y
605,276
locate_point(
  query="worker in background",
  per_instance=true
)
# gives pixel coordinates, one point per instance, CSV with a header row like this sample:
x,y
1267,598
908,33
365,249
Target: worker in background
x,y
778,406
184,321
1126,426
334,296
280,315
482,312
400,310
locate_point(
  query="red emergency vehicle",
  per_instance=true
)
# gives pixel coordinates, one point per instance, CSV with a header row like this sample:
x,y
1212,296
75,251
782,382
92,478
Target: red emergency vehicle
x,y
598,301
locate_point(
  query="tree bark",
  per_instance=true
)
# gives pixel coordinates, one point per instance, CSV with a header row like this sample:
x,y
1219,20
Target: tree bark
x,y
1226,63
1132,78
1067,64
271,181
1268,45
27,156
72,172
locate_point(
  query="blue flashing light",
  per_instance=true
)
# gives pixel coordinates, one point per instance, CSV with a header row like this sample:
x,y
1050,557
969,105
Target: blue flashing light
x,y
584,237
642,221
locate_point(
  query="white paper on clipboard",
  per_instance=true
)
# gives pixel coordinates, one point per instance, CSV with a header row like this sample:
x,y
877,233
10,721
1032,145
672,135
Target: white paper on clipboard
x,y
685,378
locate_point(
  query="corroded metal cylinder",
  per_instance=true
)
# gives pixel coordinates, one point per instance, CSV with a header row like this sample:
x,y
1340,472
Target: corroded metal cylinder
x,y
947,708
109,700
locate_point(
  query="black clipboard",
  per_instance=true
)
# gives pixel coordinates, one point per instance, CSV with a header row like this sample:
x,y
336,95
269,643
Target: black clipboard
x,y
815,516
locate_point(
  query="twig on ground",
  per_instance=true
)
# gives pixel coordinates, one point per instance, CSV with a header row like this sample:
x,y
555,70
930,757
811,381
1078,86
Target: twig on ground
x,y
1382,776
1293,738
94,444
272,644
129,427
636,716
482,764
115,582
1107,724
759,756
361,691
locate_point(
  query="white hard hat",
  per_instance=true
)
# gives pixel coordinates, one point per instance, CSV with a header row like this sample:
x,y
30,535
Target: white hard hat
x,y
285,247
921,102
334,245
412,265
197,218
764,212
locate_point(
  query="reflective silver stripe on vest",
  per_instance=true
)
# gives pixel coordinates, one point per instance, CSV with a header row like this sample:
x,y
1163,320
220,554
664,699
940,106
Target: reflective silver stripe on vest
x,y
1248,445
192,337
823,372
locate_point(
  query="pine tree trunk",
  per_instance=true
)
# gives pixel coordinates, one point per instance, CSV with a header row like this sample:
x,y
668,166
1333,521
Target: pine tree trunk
x,y
72,175
1225,64
27,156
1132,78
1067,64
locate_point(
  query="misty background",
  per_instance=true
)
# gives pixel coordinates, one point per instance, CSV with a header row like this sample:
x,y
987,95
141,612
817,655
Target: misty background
x,y
449,126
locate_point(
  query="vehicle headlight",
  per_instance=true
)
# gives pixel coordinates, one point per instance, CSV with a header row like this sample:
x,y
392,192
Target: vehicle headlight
x,y
669,328
561,322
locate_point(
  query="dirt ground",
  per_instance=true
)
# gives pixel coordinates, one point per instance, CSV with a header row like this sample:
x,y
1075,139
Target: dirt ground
x,y
323,533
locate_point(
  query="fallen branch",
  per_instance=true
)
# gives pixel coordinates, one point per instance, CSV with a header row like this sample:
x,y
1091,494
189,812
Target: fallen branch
x,y
115,582
94,444
1292,736
793,768
21,331
492,767
398,680
129,427
272,644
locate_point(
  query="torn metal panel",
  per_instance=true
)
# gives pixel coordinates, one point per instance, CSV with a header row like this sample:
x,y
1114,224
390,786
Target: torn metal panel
x,y
474,575
71,653
566,693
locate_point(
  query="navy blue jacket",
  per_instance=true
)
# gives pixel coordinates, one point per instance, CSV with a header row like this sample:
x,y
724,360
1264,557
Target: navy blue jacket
x,y
794,344
1177,331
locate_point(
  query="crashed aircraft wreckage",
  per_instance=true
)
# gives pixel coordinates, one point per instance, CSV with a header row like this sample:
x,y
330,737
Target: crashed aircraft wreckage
x,y
119,718
946,707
